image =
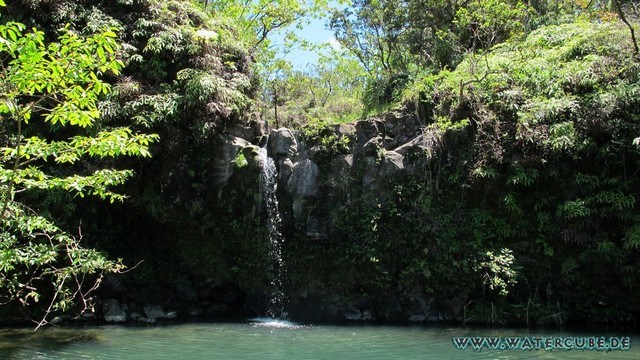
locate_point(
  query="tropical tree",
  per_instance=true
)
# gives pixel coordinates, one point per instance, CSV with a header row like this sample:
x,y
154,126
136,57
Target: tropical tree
x,y
374,32
330,90
257,19
48,123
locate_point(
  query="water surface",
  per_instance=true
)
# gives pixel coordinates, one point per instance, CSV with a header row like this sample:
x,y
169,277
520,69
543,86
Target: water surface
x,y
262,339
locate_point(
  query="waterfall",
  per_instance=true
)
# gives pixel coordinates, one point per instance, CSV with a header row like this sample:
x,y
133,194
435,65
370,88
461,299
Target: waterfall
x,y
268,187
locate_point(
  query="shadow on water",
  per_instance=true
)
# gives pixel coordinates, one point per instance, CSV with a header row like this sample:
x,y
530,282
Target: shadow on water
x,y
13,341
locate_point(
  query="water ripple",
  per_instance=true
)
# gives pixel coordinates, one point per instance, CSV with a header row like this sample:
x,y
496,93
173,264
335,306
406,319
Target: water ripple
x,y
272,339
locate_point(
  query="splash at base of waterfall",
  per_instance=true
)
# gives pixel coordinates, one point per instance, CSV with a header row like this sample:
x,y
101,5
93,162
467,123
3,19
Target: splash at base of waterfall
x,y
274,323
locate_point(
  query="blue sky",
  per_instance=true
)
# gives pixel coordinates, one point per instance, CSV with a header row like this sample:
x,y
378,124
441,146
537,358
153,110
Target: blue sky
x,y
313,32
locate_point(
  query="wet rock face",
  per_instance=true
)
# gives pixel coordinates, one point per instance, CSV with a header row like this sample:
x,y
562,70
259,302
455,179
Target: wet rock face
x,y
339,169
253,131
368,129
224,165
113,311
364,157
283,143
302,186
303,182
154,312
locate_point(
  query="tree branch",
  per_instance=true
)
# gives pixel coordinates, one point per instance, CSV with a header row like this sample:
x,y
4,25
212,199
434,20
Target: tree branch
x,y
636,51
16,164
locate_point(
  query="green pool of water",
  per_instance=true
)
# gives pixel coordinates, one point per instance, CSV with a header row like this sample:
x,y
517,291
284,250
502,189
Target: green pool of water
x,y
257,340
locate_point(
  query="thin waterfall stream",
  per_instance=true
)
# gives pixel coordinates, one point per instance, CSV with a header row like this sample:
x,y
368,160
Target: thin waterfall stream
x,y
268,189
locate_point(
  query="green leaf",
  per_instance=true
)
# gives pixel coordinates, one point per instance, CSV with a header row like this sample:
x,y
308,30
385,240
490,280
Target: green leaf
x,y
60,83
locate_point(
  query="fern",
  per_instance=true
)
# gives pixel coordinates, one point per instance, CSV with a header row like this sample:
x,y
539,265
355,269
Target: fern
x,y
574,209
591,182
485,172
511,203
144,28
544,110
148,110
616,199
632,238
169,41
204,89
562,136
522,176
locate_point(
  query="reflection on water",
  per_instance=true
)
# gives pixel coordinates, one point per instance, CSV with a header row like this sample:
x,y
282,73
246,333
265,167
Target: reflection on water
x,y
16,343
274,339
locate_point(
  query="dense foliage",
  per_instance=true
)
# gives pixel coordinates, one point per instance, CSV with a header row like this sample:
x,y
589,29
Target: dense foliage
x,y
527,201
